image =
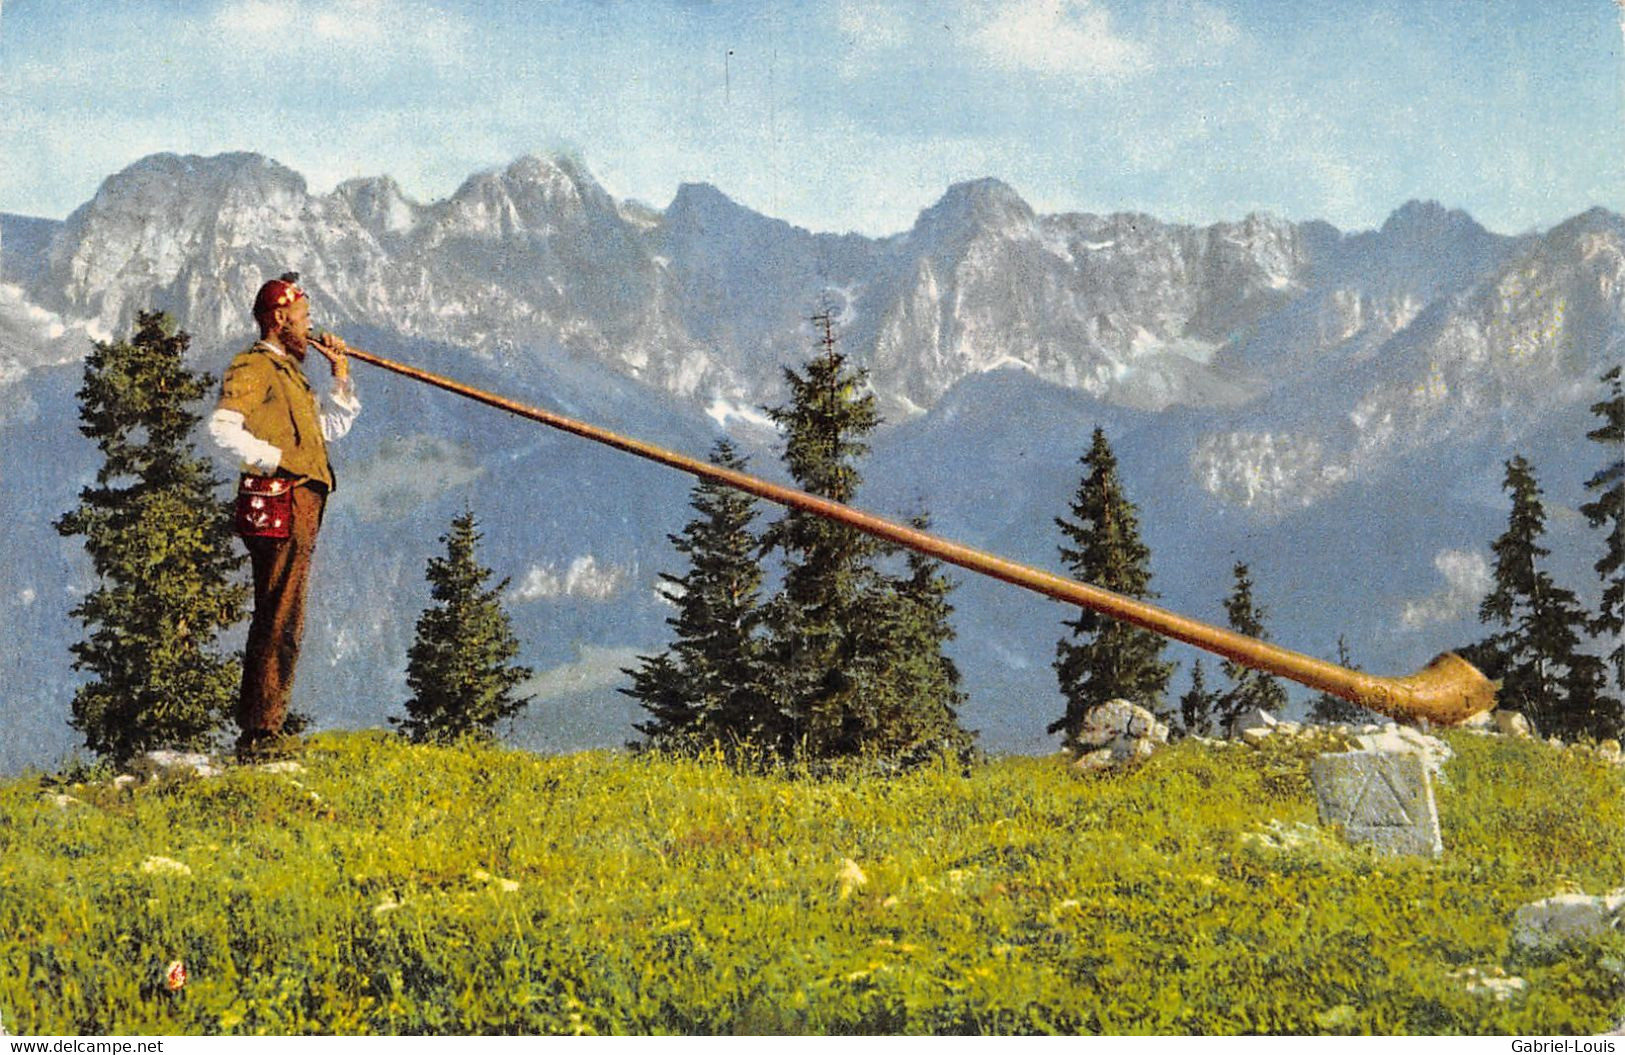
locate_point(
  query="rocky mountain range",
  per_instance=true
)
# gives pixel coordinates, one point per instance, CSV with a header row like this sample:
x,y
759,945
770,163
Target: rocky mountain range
x,y
1332,407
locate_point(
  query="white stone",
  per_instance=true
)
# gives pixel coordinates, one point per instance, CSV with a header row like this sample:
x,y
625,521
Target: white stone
x,y
1494,983
1435,752
156,865
156,764
1511,723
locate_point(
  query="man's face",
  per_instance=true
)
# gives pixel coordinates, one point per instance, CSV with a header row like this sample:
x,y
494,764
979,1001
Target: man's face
x,y
293,328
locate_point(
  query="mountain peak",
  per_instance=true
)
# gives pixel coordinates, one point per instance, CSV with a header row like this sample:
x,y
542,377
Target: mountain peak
x,y
983,204
1429,220
702,207
700,197
378,203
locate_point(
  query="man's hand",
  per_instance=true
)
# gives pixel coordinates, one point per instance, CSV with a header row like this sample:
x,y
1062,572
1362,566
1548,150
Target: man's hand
x,y
333,346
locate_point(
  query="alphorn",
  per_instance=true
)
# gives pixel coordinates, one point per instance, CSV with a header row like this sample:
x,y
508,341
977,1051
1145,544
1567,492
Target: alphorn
x,y
1447,691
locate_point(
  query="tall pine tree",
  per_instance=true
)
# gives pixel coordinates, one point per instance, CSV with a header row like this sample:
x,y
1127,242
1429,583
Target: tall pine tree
x,y
1607,511
838,690
709,686
159,539
460,667
1249,689
1544,673
1105,658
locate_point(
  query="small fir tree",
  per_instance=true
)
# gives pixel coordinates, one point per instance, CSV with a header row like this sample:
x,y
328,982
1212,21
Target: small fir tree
x,y
1607,511
709,685
912,697
460,667
160,541
1106,658
1335,710
1197,708
1249,689
1544,673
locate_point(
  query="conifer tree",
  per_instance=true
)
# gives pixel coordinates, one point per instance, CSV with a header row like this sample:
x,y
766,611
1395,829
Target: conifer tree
x,y
1607,511
1335,710
1544,673
159,539
1106,658
1197,706
1249,689
909,708
838,689
460,667
709,686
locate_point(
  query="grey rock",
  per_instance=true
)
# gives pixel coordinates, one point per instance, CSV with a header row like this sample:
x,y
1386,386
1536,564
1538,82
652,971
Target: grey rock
x,y
1565,918
1252,719
1383,798
1119,732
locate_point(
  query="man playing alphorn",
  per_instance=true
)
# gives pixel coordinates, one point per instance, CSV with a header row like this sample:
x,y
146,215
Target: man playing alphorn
x,y
271,421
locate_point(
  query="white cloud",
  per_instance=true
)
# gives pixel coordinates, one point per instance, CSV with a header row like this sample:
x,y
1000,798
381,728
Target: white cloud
x,y
363,31
1467,580
1058,37
584,578
866,26
593,669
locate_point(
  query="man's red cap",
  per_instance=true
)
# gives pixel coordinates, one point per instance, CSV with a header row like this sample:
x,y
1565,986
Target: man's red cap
x,y
278,293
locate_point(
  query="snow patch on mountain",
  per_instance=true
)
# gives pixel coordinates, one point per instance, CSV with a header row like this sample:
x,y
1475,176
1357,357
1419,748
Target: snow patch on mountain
x,y
583,578
1271,474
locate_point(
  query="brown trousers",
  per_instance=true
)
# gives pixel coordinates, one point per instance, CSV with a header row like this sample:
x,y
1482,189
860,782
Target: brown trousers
x,y
281,574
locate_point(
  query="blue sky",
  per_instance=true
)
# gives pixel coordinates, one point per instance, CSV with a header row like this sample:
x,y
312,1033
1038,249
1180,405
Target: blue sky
x,y
845,115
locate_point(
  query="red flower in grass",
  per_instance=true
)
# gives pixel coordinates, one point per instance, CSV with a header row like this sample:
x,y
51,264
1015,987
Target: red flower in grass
x,y
175,976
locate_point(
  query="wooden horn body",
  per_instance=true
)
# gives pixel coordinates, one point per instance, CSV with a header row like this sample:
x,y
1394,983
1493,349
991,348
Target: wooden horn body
x,y
1447,691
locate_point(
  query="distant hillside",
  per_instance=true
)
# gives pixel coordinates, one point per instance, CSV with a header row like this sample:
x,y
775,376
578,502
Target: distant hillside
x,y
1332,407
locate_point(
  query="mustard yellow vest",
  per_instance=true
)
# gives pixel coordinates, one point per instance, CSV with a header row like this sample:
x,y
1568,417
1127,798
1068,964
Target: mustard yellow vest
x,y
278,406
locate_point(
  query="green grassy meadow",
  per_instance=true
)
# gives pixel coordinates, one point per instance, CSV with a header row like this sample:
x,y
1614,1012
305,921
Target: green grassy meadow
x,y
389,888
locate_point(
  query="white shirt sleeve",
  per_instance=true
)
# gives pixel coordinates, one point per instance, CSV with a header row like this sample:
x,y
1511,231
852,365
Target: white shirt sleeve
x,y
227,430
338,409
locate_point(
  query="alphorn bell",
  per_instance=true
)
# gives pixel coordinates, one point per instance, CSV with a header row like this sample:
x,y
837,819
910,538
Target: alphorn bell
x,y
1447,691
